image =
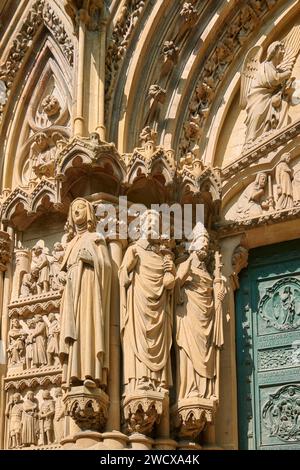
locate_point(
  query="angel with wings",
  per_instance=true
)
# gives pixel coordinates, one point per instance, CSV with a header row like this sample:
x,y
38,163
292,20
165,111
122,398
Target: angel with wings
x,y
267,86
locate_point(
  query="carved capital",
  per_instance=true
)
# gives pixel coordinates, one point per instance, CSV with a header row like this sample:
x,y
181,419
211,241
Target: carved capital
x,y
87,407
191,415
142,410
86,11
5,250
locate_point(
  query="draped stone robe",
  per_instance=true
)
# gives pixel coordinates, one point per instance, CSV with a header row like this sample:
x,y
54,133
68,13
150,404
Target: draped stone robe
x,y
146,320
266,108
195,315
85,308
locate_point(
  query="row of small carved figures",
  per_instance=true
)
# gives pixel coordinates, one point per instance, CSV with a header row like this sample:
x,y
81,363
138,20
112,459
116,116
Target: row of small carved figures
x,y
31,424
35,342
43,273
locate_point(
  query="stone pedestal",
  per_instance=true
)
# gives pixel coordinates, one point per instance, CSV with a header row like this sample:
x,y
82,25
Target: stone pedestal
x,y
115,440
143,409
88,407
87,439
190,417
140,442
164,444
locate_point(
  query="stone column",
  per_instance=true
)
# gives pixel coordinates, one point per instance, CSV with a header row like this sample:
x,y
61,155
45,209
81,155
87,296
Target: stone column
x,y
5,284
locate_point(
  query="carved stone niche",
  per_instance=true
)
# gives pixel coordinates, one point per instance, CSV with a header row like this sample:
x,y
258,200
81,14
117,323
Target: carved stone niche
x,y
192,415
142,410
87,407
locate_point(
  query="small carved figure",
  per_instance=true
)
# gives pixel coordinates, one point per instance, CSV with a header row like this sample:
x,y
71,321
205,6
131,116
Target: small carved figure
x,y
16,344
14,411
53,339
284,183
296,185
59,415
39,342
29,283
40,262
251,203
30,428
55,264
46,415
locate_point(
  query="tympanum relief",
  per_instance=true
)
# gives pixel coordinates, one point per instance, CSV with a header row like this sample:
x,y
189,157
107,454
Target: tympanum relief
x,y
273,190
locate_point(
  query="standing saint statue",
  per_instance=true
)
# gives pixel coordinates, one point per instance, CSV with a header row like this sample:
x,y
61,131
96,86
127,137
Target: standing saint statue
x,y
283,176
14,412
198,324
146,312
85,304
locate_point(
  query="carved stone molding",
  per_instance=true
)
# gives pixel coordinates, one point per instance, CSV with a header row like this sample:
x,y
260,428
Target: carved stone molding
x,y
234,35
142,410
16,383
5,250
191,415
123,29
56,26
35,304
262,149
87,407
270,218
40,13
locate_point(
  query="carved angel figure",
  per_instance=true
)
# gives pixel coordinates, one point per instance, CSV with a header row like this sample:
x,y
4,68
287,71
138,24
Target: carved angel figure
x,y
266,86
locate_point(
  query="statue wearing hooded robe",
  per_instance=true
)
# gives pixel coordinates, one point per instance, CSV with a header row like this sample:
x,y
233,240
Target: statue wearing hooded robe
x,y
85,305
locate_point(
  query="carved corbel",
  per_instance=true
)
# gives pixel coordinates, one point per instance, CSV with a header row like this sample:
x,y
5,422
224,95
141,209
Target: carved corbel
x,y
142,411
239,261
87,407
86,11
192,415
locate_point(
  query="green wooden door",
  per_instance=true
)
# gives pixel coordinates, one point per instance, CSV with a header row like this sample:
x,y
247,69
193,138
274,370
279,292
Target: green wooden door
x,y
268,348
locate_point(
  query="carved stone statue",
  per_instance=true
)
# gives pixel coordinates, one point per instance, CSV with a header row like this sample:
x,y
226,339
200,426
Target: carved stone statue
x,y
266,88
85,305
16,344
38,340
14,411
296,185
251,203
40,262
29,283
29,343
46,415
41,156
197,324
55,264
53,339
59,415
146,314
30,428
284,183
